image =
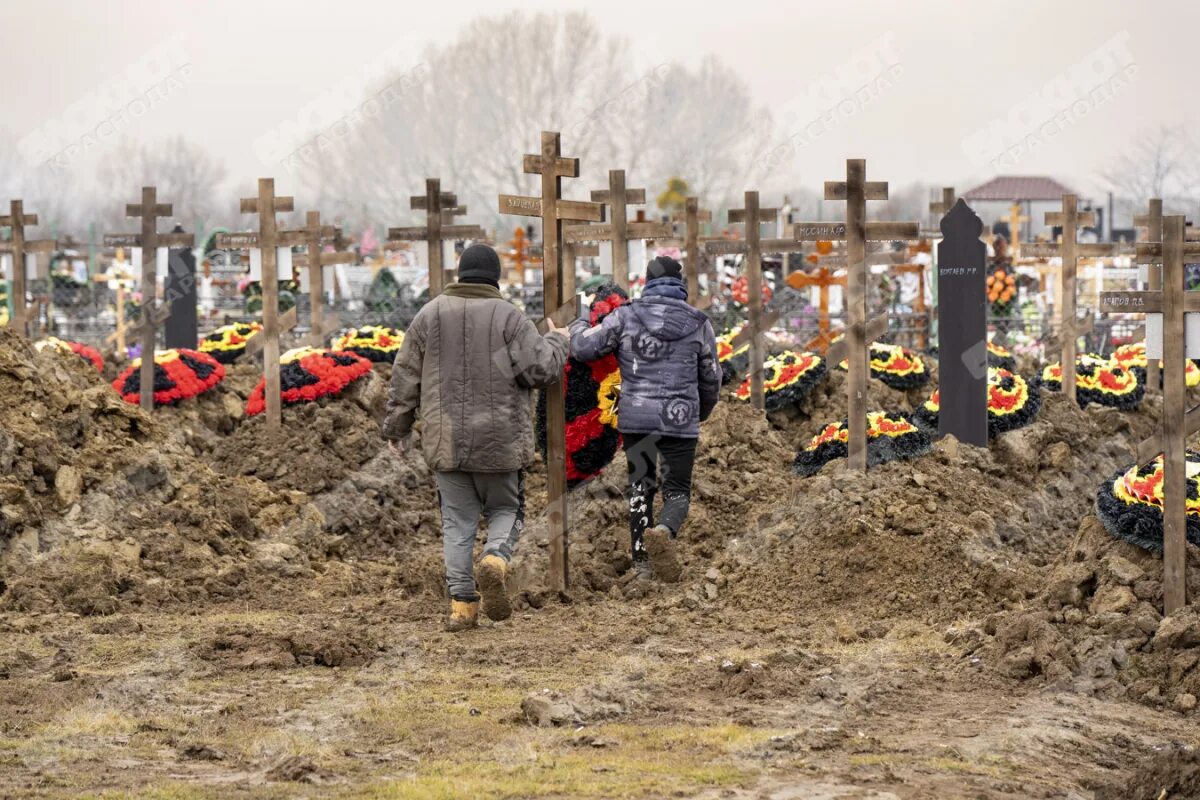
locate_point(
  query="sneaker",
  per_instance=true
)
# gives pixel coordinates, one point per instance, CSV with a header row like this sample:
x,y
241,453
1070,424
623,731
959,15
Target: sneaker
x,y
464,615
660,546
490,574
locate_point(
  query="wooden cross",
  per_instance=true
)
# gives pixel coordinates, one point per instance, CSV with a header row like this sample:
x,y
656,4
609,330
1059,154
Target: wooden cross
x,y
1071,219
117,337
1173,303
856,190
941,208
440,208
691,217
18,247
822,279
558,290
752,247
267,205
619,231
313,237
1152,223
149,240
1015,220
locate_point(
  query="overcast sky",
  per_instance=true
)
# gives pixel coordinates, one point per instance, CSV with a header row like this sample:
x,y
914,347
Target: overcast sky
x,y
949,73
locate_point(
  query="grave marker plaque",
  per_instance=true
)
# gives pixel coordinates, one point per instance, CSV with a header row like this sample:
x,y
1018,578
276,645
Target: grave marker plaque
x,y
962,327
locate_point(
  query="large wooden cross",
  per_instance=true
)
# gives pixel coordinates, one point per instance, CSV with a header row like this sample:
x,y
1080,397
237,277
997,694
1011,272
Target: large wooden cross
x,y
440,208
1173,303
18,247
149,241
1015,220
619,231
558,292
267,205
1071,219
856,190
752,247
313,237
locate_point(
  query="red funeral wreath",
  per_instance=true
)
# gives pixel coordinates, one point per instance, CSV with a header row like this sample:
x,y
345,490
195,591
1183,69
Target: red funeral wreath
x,y
307,374
178,375
89,354
787,379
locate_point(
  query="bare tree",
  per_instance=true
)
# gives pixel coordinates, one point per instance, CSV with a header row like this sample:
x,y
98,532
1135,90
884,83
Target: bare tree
x,y
186,175
1161,164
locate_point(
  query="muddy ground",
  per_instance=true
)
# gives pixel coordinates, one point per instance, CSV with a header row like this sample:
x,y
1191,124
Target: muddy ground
x,y
190,608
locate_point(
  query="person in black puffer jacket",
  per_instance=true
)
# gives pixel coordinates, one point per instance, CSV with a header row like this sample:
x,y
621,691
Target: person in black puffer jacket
x,y
670,383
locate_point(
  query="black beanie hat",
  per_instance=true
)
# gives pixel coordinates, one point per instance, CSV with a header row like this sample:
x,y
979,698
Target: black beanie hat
x,y
664,267
479,264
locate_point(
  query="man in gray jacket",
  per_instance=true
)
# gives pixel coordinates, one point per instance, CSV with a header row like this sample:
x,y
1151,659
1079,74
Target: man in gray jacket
x,y
670,383
467,365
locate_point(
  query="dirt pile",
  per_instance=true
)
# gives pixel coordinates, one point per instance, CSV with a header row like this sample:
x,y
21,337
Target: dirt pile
x,y
105,508
1096,627
959,532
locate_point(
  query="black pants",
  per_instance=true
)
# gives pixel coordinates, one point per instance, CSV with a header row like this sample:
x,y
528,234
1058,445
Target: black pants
x,y
645,454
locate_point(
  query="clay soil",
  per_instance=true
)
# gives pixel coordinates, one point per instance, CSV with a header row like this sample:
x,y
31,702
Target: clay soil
x,y
190,607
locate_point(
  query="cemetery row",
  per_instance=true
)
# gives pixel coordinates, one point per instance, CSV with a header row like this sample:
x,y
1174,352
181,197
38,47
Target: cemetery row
x,y
963,283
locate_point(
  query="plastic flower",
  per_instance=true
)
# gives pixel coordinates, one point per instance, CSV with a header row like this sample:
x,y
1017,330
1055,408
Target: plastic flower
x,y
377,343
307,374
227,343
889,437
787,379
89,354
896,366
178,375
1130,503
1098,380
1012,403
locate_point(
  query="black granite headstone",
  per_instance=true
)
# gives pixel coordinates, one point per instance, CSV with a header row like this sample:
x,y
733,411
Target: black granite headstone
x,y
962,327
181,328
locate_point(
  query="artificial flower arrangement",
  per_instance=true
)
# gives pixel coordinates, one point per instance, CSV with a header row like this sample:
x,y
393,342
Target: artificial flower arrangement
x,y
1012,403
1130,503
1133,358
1001,291
787,379
740,291
1001,357
307,374
228,342
734,363
178,375
895,366
1098,380
592,391
376,343
889,437
89,354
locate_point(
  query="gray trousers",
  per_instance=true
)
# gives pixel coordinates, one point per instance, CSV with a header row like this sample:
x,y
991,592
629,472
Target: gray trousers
x,y
500,498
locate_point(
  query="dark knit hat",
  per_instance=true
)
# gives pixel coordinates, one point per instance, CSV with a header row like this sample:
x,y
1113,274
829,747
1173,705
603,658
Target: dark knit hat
x,y
479,264
664,267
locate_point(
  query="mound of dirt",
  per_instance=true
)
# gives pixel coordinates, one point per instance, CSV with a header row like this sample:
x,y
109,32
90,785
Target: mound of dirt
x,y
959,532
1096,627
105,508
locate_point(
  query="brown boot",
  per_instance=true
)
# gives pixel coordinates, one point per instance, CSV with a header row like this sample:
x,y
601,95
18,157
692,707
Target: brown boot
x,y
464,615
661,549
490,573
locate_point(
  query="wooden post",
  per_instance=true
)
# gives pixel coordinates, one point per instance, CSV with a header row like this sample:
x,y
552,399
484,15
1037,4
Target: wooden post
x,y
619,231
267,205
1152,223
18,247
558,292
1071,219
439,207
1173,303
941,208
149,240
856,190
313,237
691,217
